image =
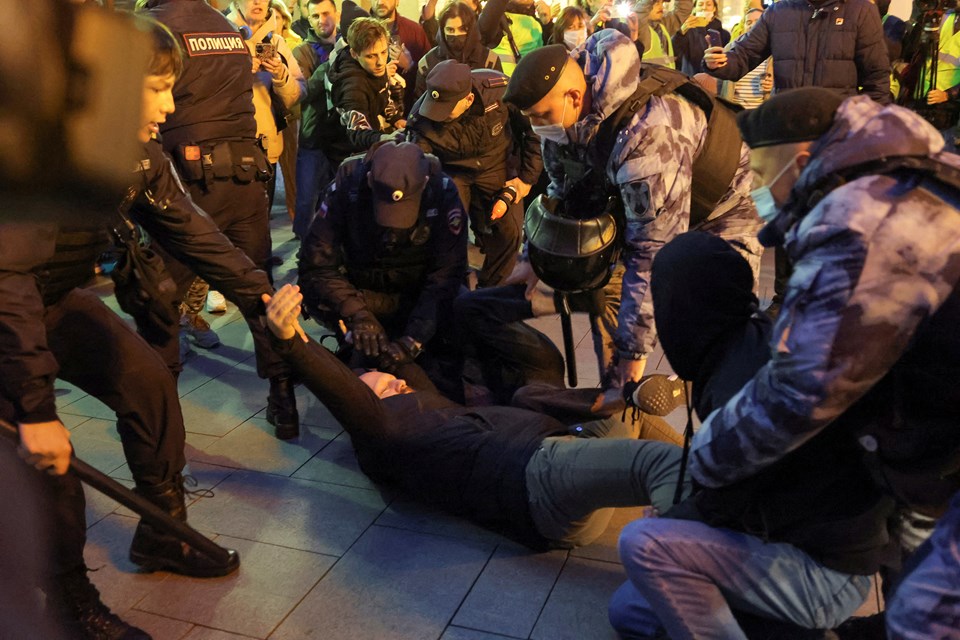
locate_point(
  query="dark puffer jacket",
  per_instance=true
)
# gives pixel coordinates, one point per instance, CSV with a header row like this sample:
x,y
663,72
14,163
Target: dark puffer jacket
x,y
357,93
837,44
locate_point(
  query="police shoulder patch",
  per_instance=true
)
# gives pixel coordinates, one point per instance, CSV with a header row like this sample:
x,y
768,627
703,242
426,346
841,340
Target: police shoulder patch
x,y
212,44
455,221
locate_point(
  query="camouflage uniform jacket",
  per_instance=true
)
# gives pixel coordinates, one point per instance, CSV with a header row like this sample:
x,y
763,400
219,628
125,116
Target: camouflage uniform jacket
x,y
872,260
651,163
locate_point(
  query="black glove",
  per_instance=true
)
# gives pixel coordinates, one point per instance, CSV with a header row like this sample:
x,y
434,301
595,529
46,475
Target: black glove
x,y
368,334
401,351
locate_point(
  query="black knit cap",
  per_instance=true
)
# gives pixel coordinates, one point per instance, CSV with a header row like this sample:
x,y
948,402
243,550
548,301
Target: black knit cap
x,y
350,11
797,115
535,75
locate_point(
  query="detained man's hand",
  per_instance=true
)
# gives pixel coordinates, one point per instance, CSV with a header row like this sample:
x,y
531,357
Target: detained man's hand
x,y
523,274
283,311
631,370
46,446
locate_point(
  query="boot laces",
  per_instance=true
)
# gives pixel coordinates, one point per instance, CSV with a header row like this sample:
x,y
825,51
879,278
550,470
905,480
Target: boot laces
x,y
190,481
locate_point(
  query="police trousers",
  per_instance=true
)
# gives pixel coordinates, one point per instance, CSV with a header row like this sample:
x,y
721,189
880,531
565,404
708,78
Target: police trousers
x,y
103,356
240,211
498,239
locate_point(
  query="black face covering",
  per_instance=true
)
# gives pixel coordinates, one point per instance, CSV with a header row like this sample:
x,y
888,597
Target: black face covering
x,y
456,44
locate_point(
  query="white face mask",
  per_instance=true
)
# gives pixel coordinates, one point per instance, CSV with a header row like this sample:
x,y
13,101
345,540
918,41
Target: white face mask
x,y
763,197
573,39
556,132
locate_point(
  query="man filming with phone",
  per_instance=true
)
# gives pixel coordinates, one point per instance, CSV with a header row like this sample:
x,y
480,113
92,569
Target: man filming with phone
x,y
849,54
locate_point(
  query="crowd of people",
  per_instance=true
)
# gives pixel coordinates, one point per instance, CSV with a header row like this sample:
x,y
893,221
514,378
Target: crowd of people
x,y
628,162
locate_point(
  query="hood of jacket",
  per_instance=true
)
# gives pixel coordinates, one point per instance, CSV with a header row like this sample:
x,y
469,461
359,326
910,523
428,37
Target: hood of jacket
x,y
693,272
862,131
611,65
473,50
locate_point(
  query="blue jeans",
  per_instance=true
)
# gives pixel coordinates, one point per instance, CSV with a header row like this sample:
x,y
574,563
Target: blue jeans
x,y
313,174
692,574
926,604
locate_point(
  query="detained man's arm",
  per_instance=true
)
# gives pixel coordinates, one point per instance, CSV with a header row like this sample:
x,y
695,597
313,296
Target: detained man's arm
x,y
848,315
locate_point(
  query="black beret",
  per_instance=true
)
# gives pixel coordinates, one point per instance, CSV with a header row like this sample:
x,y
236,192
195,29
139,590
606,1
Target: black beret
x,y
535,75
797,115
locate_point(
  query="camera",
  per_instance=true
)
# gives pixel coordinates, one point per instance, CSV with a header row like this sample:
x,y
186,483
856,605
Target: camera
x,y
265,50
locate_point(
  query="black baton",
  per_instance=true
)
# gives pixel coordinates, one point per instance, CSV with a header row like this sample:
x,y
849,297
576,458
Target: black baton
x,y
150,512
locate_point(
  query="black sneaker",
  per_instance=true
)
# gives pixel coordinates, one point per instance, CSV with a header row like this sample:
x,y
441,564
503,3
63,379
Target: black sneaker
x,y
657,394
77,604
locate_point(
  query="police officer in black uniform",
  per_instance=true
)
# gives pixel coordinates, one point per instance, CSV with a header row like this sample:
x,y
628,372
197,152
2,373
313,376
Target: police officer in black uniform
x,y
51,328
489,150
386,255
213,140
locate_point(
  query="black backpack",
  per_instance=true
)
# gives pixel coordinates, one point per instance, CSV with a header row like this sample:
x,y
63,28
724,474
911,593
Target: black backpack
x,y
715,165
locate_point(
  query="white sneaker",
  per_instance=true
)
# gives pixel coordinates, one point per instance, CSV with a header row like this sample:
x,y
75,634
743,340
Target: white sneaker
x,y
216,303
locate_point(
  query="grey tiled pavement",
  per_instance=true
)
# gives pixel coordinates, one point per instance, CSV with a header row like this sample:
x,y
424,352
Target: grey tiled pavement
x,y
327,554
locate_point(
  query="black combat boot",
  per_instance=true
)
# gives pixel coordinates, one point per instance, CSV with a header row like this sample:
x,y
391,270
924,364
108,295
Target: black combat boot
x,y
282,408
155,550
76,603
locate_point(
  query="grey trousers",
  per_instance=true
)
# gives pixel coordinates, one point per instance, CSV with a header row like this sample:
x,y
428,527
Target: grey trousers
x,y
573,484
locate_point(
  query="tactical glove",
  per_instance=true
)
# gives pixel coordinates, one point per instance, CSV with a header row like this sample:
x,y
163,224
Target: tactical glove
x,y
401,351
368,334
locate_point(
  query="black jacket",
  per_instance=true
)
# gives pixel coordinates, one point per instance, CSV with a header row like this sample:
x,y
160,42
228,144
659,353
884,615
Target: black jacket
x,y
493,23
491,135
357,93
842,48
470,461
344,253
40,262
214,95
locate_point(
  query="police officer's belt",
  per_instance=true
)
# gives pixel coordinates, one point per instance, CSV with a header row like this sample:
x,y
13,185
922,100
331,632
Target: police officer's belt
x,y
242,160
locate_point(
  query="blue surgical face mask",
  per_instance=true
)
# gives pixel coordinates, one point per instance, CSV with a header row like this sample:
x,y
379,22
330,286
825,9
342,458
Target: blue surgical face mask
x,y
762,196
556,131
